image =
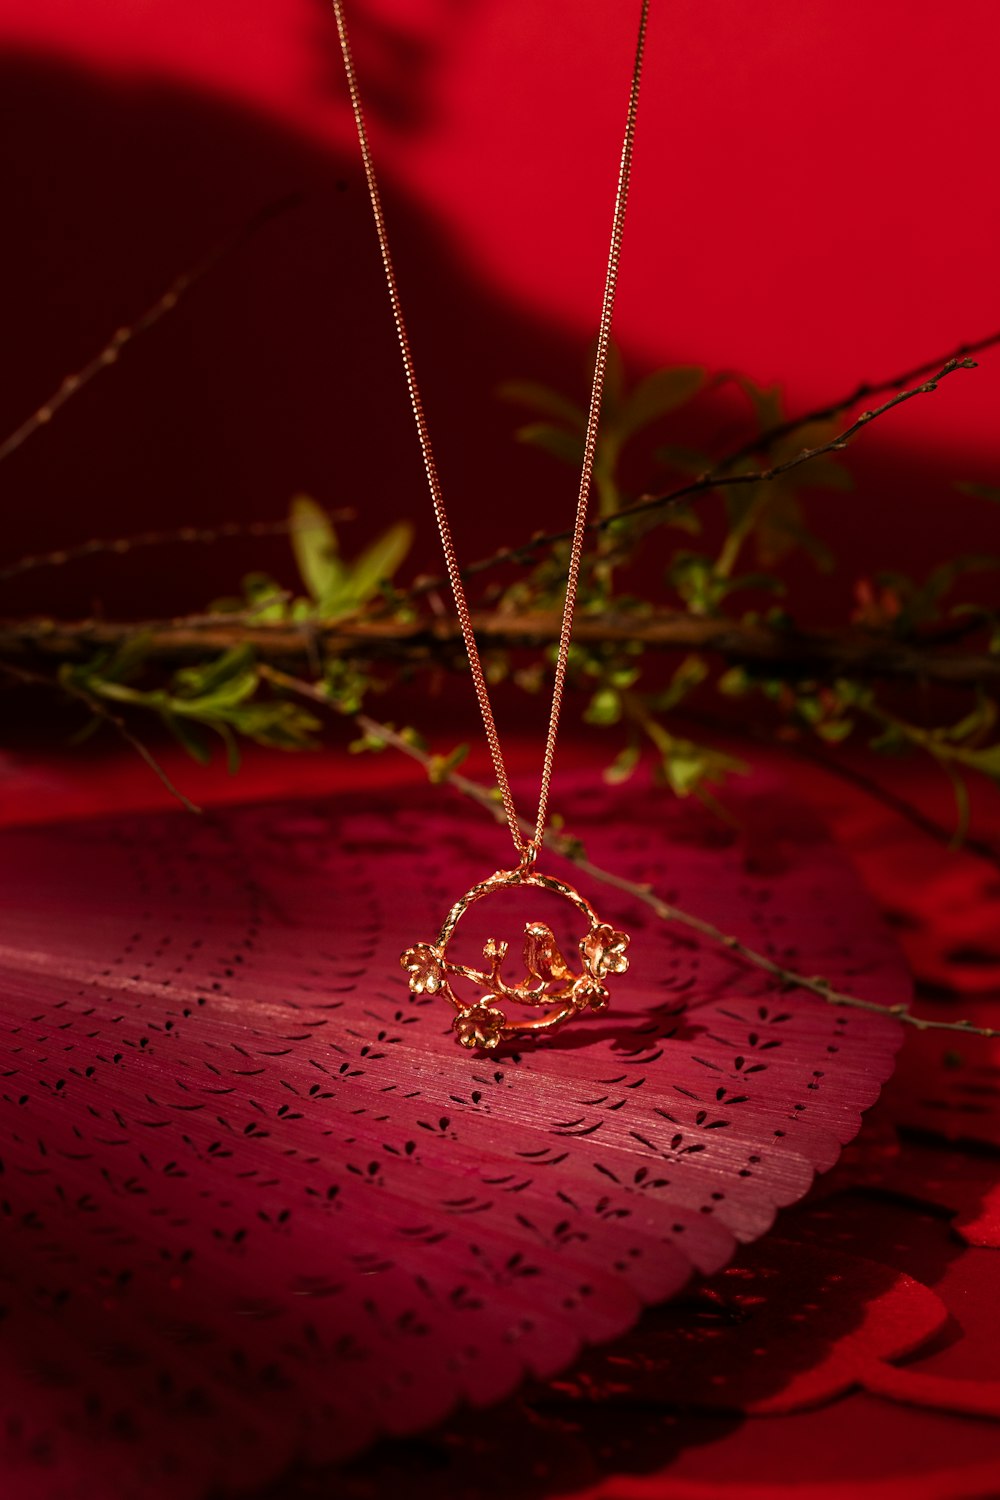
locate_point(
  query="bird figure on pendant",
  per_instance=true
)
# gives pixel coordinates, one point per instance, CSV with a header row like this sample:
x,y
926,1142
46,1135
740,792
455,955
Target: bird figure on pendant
x,y
542,959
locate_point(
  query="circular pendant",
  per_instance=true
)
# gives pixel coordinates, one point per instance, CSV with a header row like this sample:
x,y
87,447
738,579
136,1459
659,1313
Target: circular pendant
x,y
551,987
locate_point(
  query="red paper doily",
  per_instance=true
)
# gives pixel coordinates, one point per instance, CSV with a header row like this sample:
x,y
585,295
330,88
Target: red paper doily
x,y
261,1206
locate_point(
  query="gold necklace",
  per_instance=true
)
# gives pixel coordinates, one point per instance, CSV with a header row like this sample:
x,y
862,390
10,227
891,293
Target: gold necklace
x,y
551,987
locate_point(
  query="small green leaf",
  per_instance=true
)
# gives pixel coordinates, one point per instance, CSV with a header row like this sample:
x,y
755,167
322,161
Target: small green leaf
x,y
766,402
190,736
834,730
623,766
686,460
542,398
558,441
378,562
692,671
987,761
660,393
605,707
441,767
203,680
265,597
989,492
316,549
826,474
735,683
963,811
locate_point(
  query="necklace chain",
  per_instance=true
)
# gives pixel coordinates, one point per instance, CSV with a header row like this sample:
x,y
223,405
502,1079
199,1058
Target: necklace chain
x,y
527,848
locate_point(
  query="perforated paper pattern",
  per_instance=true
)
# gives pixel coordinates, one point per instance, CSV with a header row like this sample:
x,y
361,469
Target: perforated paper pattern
x,y
258,1204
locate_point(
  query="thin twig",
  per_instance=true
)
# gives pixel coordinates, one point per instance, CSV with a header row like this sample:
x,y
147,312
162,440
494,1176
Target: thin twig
x,y
101,711
122,545
863,392
164,304
665,910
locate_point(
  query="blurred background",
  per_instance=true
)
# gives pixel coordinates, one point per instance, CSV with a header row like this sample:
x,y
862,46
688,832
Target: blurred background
x,y
812,206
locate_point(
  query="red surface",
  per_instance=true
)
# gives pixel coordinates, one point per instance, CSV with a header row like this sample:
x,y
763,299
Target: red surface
x,y
909,1210
250,1167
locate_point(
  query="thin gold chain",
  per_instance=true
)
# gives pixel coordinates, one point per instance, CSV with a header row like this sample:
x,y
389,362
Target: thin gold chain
x,y
526,848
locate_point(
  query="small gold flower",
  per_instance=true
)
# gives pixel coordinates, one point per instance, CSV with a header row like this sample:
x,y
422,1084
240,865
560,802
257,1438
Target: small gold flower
x,y
604,951
480,1026
425,968
495,949
589,994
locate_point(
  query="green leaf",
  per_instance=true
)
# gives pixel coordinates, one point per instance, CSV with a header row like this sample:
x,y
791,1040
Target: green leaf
x,y
203,680
128,659
660,393
190,736
779,527
440,767
623,766
278,723
766,402
605,707
685,460
977,722
688,768
826,474
834,730
692,671
987,761
316,549
367,741
560,443
735,683
989,492
963,811
543,399
378,562
413,737
264,596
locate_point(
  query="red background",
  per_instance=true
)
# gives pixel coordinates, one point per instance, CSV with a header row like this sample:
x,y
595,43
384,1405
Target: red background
x,y
812,204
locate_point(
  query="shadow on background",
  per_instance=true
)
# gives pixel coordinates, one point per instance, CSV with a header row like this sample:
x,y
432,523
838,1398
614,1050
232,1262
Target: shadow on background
x,y
279,372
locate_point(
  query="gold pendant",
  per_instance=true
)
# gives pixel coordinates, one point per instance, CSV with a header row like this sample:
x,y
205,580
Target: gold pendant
x,y
554,990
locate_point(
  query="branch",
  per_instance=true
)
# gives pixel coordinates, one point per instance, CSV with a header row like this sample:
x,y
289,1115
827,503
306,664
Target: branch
x,y
863,392
122,545
791,652
122,336
570,849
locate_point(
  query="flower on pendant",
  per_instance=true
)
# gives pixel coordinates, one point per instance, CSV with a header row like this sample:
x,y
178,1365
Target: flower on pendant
x,y
589,994
426,970
604,950
480,1026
